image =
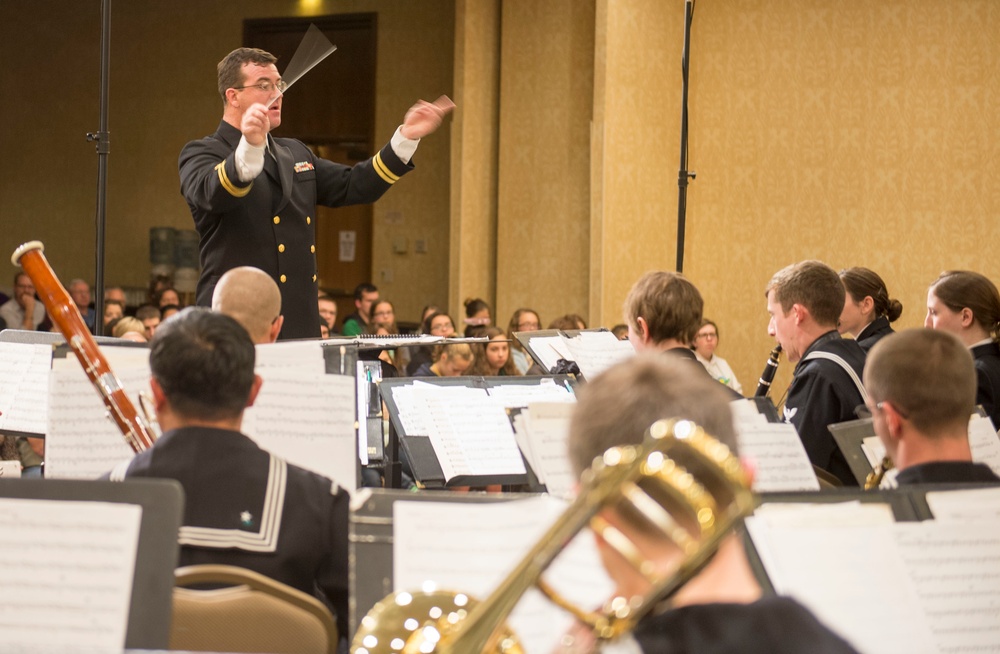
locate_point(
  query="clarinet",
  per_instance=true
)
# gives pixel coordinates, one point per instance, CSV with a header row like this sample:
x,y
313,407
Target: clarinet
x,y
64,313
771,367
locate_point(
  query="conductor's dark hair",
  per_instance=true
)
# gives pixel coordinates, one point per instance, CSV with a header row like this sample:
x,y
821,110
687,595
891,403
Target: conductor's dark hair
x,y
204,361
363,288
231,67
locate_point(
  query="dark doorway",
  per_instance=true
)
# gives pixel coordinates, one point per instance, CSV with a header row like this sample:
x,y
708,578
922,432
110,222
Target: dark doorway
x,y
332,110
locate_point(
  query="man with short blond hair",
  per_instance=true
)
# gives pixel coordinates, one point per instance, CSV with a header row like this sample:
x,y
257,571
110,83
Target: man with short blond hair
x,y
921,391
804,301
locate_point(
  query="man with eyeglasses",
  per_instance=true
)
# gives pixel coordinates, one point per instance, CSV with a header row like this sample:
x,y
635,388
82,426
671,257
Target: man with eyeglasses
x,y
921,391
253,196
23,311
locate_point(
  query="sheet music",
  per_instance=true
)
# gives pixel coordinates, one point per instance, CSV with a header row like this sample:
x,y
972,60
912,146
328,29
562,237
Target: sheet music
x,y
471,547
72,583
24,386
471,435
956,576
780,459
302,356
308,420
521,395
984,442
543,439
595,352
851,577
974,504
82,442
745,412
549,349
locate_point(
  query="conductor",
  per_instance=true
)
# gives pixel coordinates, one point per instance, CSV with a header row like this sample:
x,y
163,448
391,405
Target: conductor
x,y
253,196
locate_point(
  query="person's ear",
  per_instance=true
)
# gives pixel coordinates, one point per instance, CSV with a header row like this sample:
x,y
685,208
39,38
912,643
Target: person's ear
x,y
967,317
867,304
254,389
275,329
643,329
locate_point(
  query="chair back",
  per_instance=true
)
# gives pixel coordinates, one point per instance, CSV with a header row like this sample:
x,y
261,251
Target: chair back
x,y
252,613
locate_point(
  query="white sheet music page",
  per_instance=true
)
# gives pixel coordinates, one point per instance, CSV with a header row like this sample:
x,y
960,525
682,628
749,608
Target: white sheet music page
x,y
305,356
984,442
24,386
972,504
955,570
71,587
471,547
521,395
82,442
745,412
595,352
780,460
308,420
851,577
471,434
547,431
549,349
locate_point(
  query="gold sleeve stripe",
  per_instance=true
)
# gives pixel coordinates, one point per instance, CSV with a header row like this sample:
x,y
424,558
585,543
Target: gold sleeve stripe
x,y
383,170
234,190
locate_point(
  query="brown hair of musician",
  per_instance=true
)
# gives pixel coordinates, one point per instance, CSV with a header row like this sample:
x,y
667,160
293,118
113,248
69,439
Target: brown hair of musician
x,y
965,289
669,306
862,282
928,376
814,285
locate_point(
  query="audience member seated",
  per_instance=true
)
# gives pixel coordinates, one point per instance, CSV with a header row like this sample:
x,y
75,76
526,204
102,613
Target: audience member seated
x,y
167,297
451,360
721,607
705,342
571,321
384,324
130,329
805,301
23,311
365,295
620,331
523,320
921,391
149,316
477,314
168,310
324,329
492,359
967,304
252,298
868,309
79,290
328,312
243,506
116,294
113,311
435,324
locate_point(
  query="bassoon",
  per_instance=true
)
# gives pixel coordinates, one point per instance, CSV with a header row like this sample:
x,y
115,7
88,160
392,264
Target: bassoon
x,y
66,316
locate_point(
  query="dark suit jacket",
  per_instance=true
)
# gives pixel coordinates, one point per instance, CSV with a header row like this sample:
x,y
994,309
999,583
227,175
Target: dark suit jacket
x,y
875,331
269,223
947,472
987,360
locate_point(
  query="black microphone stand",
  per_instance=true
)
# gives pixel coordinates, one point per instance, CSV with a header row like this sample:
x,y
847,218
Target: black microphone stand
x,y
102,138
683,174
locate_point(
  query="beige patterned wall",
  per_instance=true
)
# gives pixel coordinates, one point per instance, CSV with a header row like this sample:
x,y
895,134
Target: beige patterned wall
x,y
546,95
856,132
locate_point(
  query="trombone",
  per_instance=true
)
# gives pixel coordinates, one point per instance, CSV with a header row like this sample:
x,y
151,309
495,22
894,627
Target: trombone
x,y
680,481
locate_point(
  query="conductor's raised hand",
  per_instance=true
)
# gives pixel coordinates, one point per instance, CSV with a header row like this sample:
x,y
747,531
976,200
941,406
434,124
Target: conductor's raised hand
x,y
255,124
424,117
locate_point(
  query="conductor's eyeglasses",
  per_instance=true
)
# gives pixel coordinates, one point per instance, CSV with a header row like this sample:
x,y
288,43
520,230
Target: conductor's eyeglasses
x,y
266,86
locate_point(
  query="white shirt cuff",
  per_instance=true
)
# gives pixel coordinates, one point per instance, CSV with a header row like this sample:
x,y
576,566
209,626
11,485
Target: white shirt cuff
x,y
249,160
402,146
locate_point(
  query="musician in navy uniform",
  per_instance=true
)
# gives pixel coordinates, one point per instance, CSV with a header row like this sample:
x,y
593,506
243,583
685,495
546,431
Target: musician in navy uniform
x,y
805,301
243,506
722,608
253,196
921,391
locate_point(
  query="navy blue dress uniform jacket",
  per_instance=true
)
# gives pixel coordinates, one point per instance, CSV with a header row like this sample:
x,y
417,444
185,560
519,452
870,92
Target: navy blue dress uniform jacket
x,y
248,508
873,333
269,223
821,394
987,360
947,472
